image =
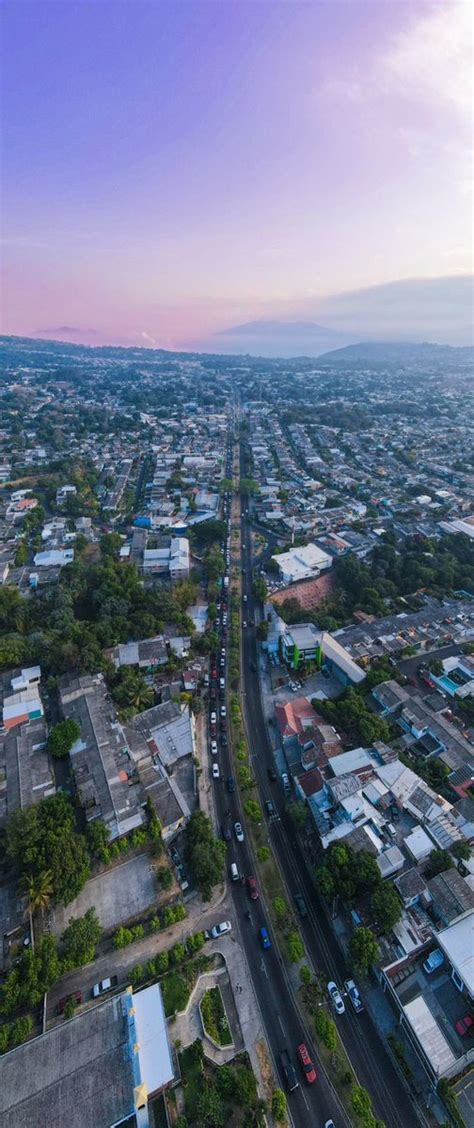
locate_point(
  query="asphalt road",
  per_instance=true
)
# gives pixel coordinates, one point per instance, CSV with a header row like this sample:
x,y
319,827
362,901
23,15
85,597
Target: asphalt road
x,y
366,1050
308,1104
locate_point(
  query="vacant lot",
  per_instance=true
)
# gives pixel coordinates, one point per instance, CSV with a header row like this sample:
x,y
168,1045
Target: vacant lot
x,y
118,895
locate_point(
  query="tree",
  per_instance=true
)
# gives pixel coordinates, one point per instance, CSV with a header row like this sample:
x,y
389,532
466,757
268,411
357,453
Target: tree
x,y
42,838
387,906
39,890
461,850
206,854
295,947
278,1104
209,1107
62,737
298,813
364,949
438,862
253,810
249,486
81,938
165,877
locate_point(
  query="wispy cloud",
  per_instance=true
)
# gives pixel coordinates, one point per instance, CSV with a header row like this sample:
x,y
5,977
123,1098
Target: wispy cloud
x,y
432,57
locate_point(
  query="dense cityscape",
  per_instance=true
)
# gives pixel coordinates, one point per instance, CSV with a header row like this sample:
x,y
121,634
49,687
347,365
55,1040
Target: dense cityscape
x,y
237,736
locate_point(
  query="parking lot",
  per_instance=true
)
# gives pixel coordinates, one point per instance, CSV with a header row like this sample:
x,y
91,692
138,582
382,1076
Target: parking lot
x,y
118,895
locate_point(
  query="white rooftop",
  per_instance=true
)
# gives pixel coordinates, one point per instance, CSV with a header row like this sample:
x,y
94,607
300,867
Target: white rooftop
x,y
419,843
429,1034
457,943
156,1067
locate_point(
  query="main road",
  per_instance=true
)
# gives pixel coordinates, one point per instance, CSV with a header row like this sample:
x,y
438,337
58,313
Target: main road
x,y
308,1104
371,1062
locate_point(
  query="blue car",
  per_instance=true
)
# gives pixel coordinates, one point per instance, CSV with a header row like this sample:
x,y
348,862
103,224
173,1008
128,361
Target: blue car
x,y
264,938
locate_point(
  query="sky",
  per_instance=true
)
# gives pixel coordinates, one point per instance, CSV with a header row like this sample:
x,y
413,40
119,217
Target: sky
x,y
172,169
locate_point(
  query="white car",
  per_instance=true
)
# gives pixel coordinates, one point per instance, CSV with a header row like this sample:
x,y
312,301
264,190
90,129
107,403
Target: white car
x,y
215,771
214,749
354,996
245,598
239,834
244,624
221,929
336,997
213,718
223,711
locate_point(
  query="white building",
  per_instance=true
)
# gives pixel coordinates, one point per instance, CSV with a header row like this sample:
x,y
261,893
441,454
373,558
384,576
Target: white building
x,y
302,563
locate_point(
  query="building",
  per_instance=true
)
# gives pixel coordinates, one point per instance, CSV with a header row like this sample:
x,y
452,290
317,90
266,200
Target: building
x,y
301,643
102,763
54,558
99,1069
302,563
24,704
26,774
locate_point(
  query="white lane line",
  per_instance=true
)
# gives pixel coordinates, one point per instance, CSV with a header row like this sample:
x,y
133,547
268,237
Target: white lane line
x,y
264,968
304,1098
281,1024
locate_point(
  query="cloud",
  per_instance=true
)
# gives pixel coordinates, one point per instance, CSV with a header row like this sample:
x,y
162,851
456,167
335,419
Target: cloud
x,y
71,330
432,57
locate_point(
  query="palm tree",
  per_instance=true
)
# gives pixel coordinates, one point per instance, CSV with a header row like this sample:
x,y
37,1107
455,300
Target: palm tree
x,y
39,890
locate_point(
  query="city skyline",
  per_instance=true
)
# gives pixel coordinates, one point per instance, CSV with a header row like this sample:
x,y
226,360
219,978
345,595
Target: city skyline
x,y
173,171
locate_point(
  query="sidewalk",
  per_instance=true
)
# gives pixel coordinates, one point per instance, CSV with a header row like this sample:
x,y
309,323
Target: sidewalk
x,y
204,778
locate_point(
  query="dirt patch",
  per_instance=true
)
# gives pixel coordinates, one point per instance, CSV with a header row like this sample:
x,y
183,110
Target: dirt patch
x,y
266,1069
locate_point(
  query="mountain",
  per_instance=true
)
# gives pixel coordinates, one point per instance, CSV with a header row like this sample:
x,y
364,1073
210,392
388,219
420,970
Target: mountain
x,y
397,352
282,338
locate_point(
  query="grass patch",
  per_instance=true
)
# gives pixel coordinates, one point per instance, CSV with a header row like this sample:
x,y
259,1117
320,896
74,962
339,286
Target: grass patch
x,y
176,991
214,1017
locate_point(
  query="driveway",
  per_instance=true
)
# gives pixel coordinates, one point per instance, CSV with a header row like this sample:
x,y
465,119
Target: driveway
x,y
119,894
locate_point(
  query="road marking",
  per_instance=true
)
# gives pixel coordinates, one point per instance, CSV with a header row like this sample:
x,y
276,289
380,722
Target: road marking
x,y
281,1024
264,968
304,1098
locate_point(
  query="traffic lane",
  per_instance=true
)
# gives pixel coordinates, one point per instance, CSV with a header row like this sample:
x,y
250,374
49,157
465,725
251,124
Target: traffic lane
x,y
371,1060
282,1022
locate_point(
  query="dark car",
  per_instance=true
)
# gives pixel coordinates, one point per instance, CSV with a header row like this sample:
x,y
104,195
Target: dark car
x,y
271,773
223,740
252,888
270,808
300,904
288,1070
226,832
253,667
231,785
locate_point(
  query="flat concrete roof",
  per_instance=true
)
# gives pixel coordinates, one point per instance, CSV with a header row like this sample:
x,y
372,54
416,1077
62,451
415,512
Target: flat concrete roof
x,y
457,943
429,1034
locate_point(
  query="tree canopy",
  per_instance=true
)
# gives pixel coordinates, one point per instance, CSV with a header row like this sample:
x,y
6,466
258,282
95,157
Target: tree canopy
x,y
206,854
43,838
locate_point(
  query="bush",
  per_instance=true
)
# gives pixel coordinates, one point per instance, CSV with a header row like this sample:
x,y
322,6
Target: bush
x,y
161,962
137,974
279,1104
177,953
165,877
70,1007
325,1029
263,853
122,937
305,975
253,810
295,947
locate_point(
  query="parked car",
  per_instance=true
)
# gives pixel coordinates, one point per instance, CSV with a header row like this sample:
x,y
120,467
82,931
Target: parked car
x,y
215,770
465,1025
354,996
239,834
75,995
336,997
288,1071
434,961
220,929
252,888
329,1124
264,938
104,985
285,779
271,773
300,904
306,1064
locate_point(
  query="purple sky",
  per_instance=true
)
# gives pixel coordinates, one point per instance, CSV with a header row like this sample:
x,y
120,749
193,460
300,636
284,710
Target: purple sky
x,y
170,169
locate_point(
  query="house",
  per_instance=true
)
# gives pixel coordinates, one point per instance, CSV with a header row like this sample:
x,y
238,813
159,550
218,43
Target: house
x,y
146,653
26,774
64,492
451,896
103,767
54,558
301,643
302,563
390,697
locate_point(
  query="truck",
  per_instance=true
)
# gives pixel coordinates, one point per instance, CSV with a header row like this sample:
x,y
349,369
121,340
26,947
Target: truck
x,y
353,993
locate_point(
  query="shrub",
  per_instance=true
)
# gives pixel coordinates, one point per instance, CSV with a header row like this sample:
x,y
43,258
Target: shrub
x,y
136,975
295,947
278,1104
161,962
325,1029
253,810
263,853
177,953
138,931
155,924
165,877
305,975
122,937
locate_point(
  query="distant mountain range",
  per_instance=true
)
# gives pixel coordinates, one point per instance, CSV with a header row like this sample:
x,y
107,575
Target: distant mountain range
x,y
397,352
283,338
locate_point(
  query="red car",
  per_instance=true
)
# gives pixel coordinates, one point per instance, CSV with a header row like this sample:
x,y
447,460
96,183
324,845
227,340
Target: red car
x,y
306,1064
252,888
465,1025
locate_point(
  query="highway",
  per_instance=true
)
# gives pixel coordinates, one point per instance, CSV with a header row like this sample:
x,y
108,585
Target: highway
x,y
308,1104
370,1060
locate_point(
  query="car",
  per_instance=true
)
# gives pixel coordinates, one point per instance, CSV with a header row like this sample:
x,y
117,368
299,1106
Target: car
x,y
104,985
354,996
270,808
244,623
465,1025
288,1070
239,834
285,779
434,961
222,663
226,832
252,888
221,683
223,739
230,785
253,667
214,748
306,1064
271,773
329,1124
221,929
213,717
264,937
336,997
300,904
244,598
223,711
75,996
215,771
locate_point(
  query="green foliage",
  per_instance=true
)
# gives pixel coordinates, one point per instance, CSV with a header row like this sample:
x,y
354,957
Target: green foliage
x,y
98,837
305,975
325,1028
278,1104
386,906
438,862
298,813
351,714
361,1102
206,853
295,947
70,1007
461,850
14,1033
214,1017
165,877
81,938
33,974
253,810
43,838
210,1108
363,948
347,872
178,953
62,737
122,937
263,853
450,1101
